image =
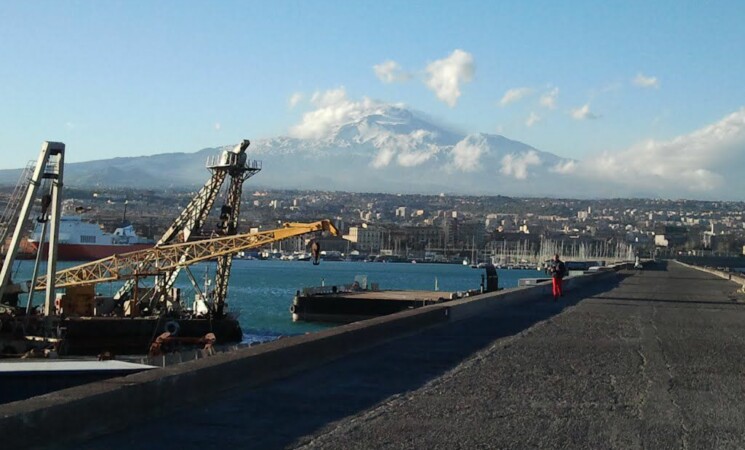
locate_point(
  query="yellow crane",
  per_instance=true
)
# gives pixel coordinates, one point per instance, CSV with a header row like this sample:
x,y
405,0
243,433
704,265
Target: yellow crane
x,y
164,259
189,226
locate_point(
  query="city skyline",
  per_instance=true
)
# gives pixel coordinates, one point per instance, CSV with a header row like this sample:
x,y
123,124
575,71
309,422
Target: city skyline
x,y
636,92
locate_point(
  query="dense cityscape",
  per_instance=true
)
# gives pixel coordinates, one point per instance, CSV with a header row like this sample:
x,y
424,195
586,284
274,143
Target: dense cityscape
x,y
448,228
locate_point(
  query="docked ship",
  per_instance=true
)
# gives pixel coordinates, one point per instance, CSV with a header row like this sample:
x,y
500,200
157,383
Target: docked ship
x,y
80,240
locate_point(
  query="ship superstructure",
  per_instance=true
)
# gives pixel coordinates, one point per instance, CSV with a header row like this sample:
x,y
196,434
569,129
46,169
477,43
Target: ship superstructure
x,y
80,240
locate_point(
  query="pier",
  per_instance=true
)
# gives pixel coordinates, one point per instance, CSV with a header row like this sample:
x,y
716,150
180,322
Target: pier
x,y
626,359
351,306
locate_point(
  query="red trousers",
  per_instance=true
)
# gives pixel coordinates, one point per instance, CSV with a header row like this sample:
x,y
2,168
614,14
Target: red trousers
x,y
556,284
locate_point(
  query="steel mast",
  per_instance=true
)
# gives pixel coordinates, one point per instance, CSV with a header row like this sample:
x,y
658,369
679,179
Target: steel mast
x,y
49,165
188,226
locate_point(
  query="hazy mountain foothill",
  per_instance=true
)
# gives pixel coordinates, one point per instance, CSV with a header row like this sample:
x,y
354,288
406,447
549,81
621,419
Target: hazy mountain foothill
x,y
390,150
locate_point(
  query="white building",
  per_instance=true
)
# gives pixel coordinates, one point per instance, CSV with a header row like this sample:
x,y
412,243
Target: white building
x,y
365,237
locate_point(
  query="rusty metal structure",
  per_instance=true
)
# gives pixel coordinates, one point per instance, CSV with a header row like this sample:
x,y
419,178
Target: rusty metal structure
x,y
9,215
189,226
163,260
49,167
80,321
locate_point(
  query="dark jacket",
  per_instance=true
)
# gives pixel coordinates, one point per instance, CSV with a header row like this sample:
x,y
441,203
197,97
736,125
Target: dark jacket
x,y
557,269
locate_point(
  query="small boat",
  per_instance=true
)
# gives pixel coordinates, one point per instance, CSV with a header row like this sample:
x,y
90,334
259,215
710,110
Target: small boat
x,y
303,256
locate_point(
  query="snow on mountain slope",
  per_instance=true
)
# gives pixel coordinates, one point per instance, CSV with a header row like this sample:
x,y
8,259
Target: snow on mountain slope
x,y
368,146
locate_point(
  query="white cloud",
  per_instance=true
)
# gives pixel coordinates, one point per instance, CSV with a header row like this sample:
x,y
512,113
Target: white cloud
x,y
410,149
467,153
645,82
532,119
411,159
517,166
703,161
564,167
295,99
332,97
217,126
333,109
583,113
390,71
383,158
514,95
336,113
548,100
445,76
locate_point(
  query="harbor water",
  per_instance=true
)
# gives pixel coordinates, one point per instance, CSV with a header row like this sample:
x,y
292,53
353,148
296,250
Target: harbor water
x,y
261,292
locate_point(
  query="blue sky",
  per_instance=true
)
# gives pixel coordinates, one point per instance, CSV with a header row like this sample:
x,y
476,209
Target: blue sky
x,y
126,78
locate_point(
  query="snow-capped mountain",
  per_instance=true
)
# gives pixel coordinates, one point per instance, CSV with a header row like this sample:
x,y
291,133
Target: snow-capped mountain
x,y
375,148
393,149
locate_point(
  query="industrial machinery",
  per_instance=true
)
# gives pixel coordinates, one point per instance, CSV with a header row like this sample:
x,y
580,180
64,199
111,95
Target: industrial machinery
x,y
162,261
190,224
49,167
9,214
82,322
92,324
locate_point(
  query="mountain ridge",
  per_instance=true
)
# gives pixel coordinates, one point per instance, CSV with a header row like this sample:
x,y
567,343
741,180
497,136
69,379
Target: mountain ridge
x,y
384,148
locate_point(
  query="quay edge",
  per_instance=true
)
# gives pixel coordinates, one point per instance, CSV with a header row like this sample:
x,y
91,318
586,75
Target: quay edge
x,y
57,416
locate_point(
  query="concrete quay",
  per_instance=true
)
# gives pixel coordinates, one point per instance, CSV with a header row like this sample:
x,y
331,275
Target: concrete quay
x,y
654,363
634,359
74,414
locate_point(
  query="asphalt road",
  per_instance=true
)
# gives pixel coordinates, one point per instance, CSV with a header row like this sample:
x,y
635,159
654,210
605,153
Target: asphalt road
x,y
652,361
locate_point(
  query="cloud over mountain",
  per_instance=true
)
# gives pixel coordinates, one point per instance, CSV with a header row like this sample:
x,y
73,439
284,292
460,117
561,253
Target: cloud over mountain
x,y
703,164
445,76
518,165
390,71
466,154
332,107
373,146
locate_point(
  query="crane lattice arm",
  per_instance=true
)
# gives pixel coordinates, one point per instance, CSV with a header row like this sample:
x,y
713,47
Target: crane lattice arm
x,y
158,260
232,164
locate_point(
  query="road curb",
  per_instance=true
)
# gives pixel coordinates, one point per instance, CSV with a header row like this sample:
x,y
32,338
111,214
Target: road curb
x,y
719,273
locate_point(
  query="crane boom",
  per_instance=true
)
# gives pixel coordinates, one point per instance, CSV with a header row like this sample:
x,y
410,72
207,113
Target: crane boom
x,y
159,260
232,164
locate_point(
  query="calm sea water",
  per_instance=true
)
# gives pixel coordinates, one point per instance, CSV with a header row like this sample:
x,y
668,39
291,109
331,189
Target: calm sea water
x,y
262,291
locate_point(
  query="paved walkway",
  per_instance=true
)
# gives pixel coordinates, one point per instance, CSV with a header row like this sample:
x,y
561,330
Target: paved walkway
x,y
652,362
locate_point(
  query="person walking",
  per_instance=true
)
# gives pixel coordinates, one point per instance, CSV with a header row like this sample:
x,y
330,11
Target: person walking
x,y
557,269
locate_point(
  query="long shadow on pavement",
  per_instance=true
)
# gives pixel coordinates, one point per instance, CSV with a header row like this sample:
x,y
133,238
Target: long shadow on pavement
x,y
279,414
